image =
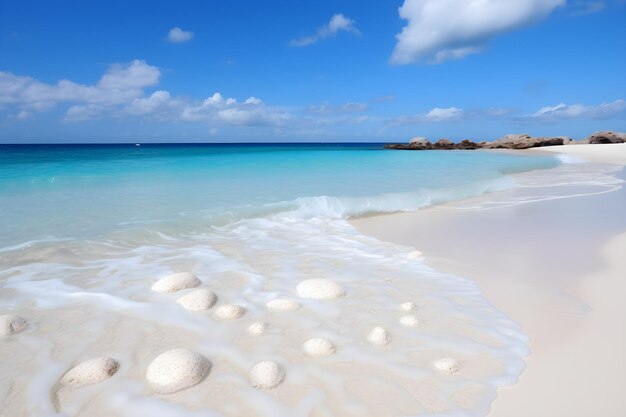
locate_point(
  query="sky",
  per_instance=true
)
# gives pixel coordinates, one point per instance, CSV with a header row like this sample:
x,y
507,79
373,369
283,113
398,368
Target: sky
x,y
309,70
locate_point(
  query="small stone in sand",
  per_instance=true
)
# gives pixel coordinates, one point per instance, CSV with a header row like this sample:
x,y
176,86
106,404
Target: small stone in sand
x,y
229,312
282,304
447,365
90,372
11,324
409,320
318,347
414,255
198,300
267,375
408,306
379,337
177,369
319,288
257,328
176,282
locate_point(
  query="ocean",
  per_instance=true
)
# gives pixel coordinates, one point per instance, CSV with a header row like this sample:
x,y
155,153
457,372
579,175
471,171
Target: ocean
x,y
87,229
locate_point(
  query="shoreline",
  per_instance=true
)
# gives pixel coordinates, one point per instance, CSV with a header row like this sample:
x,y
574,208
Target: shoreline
x,y
531,263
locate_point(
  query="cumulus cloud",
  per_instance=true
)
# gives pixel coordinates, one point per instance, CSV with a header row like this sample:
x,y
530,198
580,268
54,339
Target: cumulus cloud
x,y
119,84
338,23
578,111
440,30
435,115
120,92
177,35
228,111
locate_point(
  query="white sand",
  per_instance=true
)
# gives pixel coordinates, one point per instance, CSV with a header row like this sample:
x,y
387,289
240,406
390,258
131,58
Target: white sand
x,y
176,282
267,375
555,267
610,153
408,306
177,369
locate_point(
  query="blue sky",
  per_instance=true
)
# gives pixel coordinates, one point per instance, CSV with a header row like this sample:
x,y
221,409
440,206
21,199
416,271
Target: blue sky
x,y
324,70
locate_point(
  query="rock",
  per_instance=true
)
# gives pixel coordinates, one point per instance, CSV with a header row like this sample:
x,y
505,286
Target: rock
x,y
447,365
282,304
257,328
90,372
419,141
523,142
177,369
467,144
379,337
320,289
11,324
444,144
176,282
409,320
606,137
267,375
318,347
198,300
229,312
408,306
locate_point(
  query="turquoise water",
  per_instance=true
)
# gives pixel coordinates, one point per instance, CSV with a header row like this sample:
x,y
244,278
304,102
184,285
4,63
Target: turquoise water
x,y
86,231
68,191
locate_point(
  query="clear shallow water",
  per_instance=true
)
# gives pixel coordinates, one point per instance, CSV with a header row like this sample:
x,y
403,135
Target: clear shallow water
x,y
87,230
80,191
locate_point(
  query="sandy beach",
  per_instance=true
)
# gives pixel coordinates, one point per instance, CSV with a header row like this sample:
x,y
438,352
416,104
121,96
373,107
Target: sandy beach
x,y
553,265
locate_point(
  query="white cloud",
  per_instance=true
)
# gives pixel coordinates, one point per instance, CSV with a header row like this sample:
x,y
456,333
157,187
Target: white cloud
x,y
338,23
218,110
119,84
440,30
578,111
348,107
177,35
435,115
120,93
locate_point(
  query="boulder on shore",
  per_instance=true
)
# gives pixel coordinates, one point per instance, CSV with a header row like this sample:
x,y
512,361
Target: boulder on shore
x,y
523,142
606,137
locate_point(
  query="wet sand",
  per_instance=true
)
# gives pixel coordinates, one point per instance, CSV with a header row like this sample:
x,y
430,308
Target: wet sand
x,y
557,268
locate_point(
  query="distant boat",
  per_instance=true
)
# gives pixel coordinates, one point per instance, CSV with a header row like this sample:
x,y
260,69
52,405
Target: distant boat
x,y
137,144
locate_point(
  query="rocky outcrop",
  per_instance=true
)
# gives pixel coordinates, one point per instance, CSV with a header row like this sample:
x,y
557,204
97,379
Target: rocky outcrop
x,y
522,141
606,137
